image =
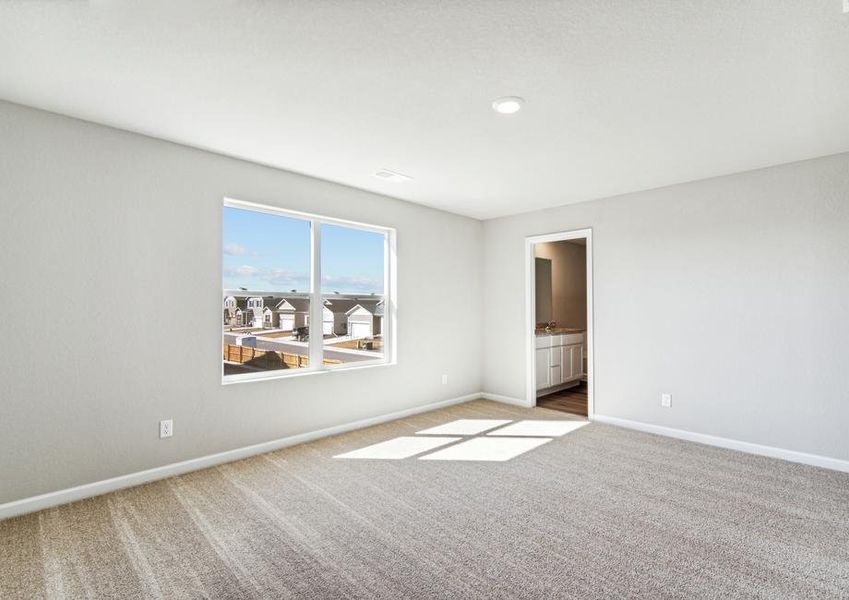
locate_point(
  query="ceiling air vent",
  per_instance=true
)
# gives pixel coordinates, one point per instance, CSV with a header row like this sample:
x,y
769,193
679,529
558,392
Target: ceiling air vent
x,y
391,176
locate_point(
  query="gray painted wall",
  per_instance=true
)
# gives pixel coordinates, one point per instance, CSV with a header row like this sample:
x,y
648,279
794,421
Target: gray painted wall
x,y
108,236
732,294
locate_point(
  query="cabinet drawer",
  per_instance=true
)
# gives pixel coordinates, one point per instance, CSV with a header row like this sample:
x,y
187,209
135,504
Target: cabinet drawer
x,y
573,338
543,341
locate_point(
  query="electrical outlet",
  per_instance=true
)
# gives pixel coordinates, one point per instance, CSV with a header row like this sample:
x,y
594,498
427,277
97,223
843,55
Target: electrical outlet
x,y
666,400
166,428
444,379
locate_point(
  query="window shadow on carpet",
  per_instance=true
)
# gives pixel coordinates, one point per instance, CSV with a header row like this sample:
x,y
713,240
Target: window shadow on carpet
x,y
492,440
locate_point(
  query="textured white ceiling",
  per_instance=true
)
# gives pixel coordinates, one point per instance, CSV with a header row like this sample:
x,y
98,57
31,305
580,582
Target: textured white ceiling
x,y
621,95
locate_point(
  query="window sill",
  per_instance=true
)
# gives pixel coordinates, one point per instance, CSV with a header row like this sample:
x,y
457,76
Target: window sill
x,y
252,377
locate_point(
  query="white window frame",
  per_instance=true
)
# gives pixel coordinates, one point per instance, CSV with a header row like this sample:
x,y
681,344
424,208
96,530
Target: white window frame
x,y
316,344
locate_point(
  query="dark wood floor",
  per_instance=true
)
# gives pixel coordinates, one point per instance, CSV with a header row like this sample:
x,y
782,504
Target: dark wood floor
x,y
573,400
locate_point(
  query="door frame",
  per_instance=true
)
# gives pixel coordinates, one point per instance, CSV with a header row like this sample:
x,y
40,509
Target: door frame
x,y
530,312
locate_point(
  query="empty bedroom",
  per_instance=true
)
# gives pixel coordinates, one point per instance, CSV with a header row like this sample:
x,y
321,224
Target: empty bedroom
x,y
404,299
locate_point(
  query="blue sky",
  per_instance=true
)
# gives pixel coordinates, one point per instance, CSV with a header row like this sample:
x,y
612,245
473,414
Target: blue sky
x,y
264,252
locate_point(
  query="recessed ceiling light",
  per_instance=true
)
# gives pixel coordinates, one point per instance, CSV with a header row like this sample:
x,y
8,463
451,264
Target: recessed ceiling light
x,y
393,176
508,105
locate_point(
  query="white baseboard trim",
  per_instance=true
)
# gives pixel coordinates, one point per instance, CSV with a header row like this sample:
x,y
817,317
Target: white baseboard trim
x,y
815,460
504,399
50,499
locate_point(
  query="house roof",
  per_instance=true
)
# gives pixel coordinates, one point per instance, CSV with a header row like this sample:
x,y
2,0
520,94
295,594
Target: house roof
x,y
375,307
335,305
296,304
339,305
269,301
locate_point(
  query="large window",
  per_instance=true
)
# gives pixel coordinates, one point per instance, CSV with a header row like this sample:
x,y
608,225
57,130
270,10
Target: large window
x,y
303,293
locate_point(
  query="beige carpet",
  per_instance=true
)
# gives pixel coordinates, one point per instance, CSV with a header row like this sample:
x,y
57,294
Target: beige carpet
x,y
600,512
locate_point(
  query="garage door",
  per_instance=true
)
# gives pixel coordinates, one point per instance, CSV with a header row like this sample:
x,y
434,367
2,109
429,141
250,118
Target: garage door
x,y
287,323
360,330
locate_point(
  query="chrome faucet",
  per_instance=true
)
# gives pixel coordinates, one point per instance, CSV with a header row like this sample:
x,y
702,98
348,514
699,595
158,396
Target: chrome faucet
x,y
549,327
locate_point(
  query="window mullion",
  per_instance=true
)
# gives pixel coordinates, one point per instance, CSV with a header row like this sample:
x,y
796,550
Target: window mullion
x,y
316,313
388,297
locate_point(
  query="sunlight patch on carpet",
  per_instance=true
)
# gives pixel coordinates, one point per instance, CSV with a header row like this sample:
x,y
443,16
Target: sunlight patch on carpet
x,y
487,449
398,448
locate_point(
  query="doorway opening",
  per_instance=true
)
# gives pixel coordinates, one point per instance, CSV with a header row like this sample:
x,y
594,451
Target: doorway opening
x,y
559,311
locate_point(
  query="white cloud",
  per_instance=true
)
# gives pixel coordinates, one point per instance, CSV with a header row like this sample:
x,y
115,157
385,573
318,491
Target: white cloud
x,y
352,284
280,278
241,271
234,249
287,278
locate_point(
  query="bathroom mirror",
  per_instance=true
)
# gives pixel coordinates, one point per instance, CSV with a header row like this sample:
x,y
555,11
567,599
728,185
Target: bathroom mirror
x,y
543,290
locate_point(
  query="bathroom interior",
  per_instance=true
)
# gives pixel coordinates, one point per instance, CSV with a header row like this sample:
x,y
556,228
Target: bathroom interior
x,y
561,325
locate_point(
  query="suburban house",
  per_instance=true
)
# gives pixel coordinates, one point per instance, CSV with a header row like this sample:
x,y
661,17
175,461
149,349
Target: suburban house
x,y
291,313
365,319
336,315
340,316
253,315
267,317
231,309
244,311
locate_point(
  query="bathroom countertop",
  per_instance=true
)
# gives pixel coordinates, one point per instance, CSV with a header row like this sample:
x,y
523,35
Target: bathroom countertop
x,y
559,331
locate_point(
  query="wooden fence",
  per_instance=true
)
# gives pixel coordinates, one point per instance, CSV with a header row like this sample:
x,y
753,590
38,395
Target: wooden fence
x,y
375,345
268,359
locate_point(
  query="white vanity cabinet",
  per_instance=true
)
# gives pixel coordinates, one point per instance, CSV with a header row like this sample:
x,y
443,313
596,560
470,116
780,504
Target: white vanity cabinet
x,y
542,368
559,359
